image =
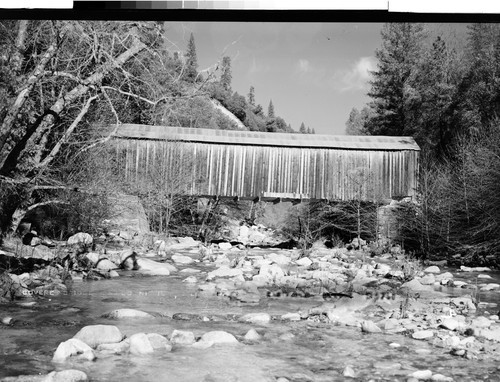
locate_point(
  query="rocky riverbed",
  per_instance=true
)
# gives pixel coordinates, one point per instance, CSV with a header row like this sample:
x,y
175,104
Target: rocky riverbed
x,y
183,311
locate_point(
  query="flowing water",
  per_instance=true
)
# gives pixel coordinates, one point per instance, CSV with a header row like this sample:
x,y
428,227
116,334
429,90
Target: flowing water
x,y
299,351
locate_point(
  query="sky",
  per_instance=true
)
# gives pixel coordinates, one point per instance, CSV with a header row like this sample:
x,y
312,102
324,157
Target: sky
x,y
314,72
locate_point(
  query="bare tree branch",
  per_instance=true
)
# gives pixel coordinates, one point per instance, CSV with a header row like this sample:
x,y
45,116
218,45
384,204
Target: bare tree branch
x,y
66,135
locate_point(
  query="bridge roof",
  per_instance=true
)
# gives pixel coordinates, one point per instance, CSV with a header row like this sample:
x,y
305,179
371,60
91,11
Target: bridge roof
x,y
238,137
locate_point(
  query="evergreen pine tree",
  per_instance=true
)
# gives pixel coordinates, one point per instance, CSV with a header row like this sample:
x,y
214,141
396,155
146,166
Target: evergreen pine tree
x,y
302,128
226,77
251,96
397,60
270,110
191,71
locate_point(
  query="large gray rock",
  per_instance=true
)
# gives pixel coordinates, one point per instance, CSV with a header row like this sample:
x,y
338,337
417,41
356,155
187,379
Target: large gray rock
x,y
182,337
106,265
159,342
72,348
94,335
128,215
70,375
118,314
224,271
256,318
182,259
80,238
155,268
219,337
140,344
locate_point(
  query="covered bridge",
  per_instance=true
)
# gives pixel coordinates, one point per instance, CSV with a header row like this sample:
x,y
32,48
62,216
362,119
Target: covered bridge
x,y
269,166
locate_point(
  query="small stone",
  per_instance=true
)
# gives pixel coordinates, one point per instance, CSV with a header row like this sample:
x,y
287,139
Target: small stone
x,y
115,348
291,317
304,262
491,286
225,246
349,372
190,280
449,323
181,337
370,327
7,320
441,378
118,314
458,352
394,345
483,276
256,318
423,334
421,374
70,375
252,335
428,279
113,273
432,269
182,259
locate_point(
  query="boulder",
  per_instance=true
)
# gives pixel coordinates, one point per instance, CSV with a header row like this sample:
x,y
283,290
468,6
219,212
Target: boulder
x,y
225,246
182,259
368,326
421,374
423,334
159,342
182,337
256,318
94,335
304,262
80,238
73,347
272,272
224,271
106,265
128,215
279,258
140,344
70,375
115,348
219,337
155,268
415,285
432,269
118,314
252,335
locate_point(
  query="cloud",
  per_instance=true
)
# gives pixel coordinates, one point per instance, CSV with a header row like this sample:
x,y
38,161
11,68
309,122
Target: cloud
x,y
303,66
357,76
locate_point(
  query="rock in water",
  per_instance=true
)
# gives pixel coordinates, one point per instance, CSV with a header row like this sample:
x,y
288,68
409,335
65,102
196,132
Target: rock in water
x,y
70,375
370,327
127,313
140,344
181,337
256,318
73,347
219,337
94,335
155,268
80,238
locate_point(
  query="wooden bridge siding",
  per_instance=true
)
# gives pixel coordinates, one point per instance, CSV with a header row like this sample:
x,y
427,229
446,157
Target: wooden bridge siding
x,y
251,171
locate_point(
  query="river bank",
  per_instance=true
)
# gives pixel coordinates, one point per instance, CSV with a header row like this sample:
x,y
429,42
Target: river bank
x,y
182,311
